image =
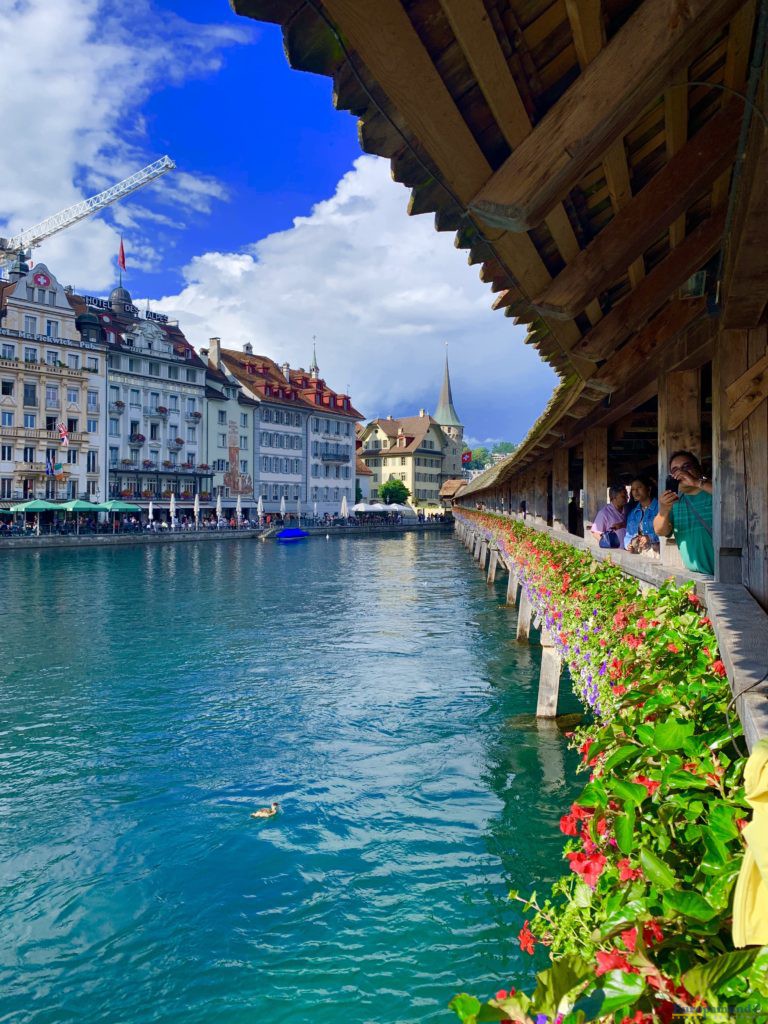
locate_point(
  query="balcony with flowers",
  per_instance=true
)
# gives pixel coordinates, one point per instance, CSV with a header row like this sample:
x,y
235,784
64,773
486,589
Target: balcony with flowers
x,y
136,440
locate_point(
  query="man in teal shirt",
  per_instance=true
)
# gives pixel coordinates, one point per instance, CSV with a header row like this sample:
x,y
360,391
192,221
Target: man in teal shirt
x,y
688,514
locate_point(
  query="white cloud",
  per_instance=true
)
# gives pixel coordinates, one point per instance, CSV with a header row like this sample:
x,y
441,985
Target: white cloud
x,y
382,292
74,75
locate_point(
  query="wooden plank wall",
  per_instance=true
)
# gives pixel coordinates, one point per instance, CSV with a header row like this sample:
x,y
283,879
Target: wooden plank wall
x,y
740,468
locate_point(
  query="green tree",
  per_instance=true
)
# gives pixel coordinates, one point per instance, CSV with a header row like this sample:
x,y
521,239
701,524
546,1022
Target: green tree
x,y
480,458
504,448
358,492
394,491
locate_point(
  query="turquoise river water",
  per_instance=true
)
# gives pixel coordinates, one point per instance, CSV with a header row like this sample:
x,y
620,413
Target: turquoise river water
x,y
152,697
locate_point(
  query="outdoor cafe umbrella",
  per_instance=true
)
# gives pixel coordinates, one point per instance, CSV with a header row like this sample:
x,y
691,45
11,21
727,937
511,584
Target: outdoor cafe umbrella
x,y
218,507
151,512
77,506
344,507
35,505
260,509
238,511
298,510
115,506
362,506
172,509
282,506
196,509
314,509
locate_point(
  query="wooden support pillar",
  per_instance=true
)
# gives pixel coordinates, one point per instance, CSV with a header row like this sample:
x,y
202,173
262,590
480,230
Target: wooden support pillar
x,y
482,557
512,585
560,489
595,473
524,617
540,474
549,678
739,459
679,427
477,541
494,561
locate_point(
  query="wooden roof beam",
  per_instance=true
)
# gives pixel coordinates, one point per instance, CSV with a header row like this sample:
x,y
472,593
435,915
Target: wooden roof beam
x,y
384,38
673,271
588,30
477,38
597,109
687,176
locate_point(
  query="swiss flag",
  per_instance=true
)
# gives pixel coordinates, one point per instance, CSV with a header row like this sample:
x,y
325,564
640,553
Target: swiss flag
x,y
121,255
466,457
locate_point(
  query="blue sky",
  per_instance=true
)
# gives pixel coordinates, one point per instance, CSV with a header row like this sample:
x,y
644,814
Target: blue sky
x,y
273,229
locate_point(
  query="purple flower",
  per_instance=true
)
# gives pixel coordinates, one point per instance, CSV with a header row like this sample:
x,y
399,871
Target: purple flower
x,y
603,668
541,1018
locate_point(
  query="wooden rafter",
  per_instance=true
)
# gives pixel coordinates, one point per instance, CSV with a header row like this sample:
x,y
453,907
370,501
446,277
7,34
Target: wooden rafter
x,y
586,20
385,40
473,31
665,198
597,109
675,135
673,271
735,75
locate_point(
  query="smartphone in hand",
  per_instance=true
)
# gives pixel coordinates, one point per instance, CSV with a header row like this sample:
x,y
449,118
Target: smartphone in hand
x,y
671,484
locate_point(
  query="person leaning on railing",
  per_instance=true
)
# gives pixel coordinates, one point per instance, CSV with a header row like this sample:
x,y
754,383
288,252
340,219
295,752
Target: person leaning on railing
x,y
685,512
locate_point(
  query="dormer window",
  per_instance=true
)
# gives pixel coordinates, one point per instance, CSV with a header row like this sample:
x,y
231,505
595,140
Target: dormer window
x,y
250,368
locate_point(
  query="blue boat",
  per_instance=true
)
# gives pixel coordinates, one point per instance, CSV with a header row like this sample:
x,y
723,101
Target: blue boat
x,y
291,533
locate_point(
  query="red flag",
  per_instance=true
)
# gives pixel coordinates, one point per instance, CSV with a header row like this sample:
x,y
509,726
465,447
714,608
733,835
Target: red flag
x,y
466,457
121,255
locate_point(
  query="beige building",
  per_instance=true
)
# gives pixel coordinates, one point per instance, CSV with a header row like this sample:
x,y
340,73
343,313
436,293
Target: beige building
x,y
422,451
52,390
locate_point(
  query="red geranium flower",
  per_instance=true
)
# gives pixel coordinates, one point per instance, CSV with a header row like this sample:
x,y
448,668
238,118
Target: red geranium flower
x,y
568,825
649,784
626,872
652,933
673,648
527,941
589,865
694,599
719,668
613,961
629,938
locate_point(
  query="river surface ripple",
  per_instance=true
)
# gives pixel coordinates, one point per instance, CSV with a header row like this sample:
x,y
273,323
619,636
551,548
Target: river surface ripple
x,y
152,697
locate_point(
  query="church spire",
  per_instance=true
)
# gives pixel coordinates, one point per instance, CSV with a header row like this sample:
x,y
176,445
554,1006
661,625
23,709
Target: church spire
x,y
314,369
445,413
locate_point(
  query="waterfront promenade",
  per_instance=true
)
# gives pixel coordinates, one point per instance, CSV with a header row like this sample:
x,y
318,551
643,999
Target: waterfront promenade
x,y
132,537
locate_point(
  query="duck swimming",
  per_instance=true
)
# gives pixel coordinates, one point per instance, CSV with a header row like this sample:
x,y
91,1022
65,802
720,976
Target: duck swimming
x,y
267,812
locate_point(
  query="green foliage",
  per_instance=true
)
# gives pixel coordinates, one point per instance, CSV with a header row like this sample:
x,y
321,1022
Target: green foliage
x,y
481,457
654,843
358,492
393,492
504,448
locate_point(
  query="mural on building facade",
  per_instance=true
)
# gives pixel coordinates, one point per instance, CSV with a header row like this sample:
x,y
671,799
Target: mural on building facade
x,y
237,482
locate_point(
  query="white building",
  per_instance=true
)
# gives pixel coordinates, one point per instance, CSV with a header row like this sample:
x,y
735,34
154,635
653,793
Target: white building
x,y
52,387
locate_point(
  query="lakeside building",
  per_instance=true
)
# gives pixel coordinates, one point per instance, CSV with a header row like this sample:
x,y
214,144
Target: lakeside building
x,y
422,451
363,478
52,391
231,418
156,403
304,439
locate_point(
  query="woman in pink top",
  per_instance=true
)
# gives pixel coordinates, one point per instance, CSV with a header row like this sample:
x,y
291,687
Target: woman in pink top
x,y
612,517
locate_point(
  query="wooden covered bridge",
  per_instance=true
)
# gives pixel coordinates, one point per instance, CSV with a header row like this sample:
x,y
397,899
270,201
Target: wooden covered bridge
x,y
603,163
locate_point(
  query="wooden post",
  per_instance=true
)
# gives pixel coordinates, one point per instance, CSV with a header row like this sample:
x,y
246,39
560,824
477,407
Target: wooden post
x,y
512,584
679,427
560,489
483,553
595,473
540,474
740,506
524,617
492,564
549,678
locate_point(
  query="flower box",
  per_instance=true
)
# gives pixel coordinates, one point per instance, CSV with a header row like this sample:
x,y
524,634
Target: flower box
x,y
137,439
205,495
162,409
203,465
146,494
119,404
197,415
178,440
148,464
127,462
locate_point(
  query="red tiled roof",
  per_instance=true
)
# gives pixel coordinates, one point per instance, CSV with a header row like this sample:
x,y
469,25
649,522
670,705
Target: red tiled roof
x,y
263,377
361,469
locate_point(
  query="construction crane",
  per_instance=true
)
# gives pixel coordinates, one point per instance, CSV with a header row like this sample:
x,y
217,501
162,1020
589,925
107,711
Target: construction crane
x,y
10,247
